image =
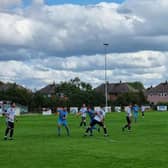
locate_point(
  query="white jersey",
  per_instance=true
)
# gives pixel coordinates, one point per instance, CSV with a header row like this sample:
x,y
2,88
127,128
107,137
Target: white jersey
x,y
99,115
83,111
142,108
11,114
128,112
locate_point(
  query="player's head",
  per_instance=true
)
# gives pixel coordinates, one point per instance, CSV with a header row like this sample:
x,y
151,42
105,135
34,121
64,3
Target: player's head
x,y
13,104
88,107
83,105
64,108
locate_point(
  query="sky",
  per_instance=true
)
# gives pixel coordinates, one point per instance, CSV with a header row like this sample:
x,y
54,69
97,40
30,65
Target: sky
x,y
42,41
80,2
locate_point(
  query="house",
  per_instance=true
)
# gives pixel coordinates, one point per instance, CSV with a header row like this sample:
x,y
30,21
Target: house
x,y
49,90
115,89
158,93
6,86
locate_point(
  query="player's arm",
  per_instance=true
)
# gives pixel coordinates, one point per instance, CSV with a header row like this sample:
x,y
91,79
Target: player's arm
x,y
7,115
78,113
57,112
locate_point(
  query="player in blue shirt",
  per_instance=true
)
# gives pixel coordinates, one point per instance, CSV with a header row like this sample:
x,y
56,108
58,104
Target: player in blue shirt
x,y
98,119
91,114
135,112
62,120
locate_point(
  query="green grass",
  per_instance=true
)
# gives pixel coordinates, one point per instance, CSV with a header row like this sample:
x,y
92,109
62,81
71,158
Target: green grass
x,y
37,145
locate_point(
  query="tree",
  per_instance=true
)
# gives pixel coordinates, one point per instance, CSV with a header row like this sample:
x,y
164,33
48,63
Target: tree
x,y
136,85
78,92
131,97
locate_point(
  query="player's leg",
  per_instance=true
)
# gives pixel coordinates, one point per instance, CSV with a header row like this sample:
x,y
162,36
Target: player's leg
x,y
7,131
129,124
59,127
68,131
125,126
11,131
135,117
67,128
90,127
82,121
104,128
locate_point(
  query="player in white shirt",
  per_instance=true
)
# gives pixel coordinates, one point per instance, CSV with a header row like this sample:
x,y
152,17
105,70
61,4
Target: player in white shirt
x,y
10,114
128,118
143,111
83,113
98,119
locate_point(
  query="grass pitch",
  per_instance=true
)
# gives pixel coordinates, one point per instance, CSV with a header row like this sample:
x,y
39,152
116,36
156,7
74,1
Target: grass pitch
x,y
36,144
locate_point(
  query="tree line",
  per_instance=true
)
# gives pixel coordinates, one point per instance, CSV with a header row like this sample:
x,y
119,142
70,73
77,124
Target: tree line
x,y
72,93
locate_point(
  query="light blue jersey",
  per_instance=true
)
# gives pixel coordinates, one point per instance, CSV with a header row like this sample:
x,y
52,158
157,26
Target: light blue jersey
x,y
62,117
135,111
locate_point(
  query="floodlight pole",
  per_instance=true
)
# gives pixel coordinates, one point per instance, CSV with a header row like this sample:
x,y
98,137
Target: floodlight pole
x,y
105,76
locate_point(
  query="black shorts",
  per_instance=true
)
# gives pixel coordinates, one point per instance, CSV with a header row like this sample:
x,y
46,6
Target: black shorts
x,y
94,122
83,118
128,120
10,125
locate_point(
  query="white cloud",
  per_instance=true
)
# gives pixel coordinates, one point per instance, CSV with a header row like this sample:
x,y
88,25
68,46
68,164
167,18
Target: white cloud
x,y
43,43
152,12
15,30
64,29
146,66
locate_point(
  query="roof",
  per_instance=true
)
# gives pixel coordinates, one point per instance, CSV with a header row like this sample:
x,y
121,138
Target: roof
x,y
49,89
116,88
6,86
161,88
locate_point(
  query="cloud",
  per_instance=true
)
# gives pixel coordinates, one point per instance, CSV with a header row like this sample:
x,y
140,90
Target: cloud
x,y
8,3
41,43
145,66
63,30
67,30
153,12
38,2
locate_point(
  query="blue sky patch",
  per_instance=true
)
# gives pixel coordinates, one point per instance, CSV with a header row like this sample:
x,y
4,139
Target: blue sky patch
x,y
80,2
